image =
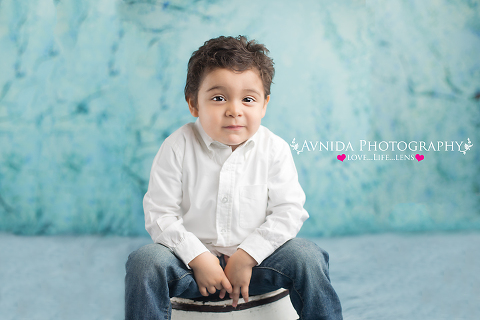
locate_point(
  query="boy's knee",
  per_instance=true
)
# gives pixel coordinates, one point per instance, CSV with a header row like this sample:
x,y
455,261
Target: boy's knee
x,y
308,252
146,259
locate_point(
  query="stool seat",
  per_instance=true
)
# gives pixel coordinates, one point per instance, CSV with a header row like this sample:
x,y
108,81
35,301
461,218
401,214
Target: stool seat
x,y
273,305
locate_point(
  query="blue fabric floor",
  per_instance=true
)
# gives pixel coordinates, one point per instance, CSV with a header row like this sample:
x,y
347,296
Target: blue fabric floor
x,y
385,276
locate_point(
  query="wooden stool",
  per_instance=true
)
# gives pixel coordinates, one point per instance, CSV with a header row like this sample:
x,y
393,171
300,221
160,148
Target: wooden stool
x,y
273,305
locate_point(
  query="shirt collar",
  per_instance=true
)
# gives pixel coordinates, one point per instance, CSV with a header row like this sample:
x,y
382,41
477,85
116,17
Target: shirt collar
x,y
210,143
205,137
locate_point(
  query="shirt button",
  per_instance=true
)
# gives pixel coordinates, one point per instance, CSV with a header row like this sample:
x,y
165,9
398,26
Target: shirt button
x,y
225,199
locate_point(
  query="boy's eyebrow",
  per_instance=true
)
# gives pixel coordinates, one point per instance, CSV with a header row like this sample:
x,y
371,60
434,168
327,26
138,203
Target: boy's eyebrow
x,y
215,88
222,87
252,90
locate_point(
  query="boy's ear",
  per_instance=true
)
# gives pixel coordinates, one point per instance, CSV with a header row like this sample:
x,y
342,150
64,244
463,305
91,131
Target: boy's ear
x,y
193,109
264,110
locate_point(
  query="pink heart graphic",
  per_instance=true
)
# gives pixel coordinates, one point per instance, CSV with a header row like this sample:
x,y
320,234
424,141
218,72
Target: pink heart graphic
x,y
341,157
419,157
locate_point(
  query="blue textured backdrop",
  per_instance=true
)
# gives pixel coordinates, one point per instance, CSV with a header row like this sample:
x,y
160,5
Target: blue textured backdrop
x,y
90,89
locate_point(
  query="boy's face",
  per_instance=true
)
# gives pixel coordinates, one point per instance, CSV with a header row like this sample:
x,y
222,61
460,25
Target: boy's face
x,y
230,105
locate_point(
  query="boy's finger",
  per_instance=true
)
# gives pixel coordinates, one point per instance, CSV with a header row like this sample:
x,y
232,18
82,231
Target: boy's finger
x,y
235,301
226,285
203,291
235,295
212,289
222,293
245,293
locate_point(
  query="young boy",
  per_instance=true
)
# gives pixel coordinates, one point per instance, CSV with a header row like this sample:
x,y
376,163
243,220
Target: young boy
x,y
224,204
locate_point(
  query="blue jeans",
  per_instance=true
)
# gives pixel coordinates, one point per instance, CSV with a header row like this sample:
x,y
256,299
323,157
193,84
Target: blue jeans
x,y
154,274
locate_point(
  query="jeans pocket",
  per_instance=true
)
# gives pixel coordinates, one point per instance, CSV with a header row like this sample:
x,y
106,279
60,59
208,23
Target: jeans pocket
x,y
253,206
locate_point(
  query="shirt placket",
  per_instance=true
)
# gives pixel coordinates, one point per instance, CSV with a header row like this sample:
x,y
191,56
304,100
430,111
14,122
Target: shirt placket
x,y
225,200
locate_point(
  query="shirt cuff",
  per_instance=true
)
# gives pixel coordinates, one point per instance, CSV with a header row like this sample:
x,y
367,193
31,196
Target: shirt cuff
x,y
189,249
257,247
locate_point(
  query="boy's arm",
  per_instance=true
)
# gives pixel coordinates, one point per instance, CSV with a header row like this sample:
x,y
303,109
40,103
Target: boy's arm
x,y
163,215
285,212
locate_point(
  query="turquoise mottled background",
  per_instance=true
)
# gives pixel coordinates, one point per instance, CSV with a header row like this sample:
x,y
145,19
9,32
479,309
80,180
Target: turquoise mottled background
x,y
90,89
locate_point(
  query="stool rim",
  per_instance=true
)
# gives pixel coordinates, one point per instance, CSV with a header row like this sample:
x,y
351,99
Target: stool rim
x,y
226,305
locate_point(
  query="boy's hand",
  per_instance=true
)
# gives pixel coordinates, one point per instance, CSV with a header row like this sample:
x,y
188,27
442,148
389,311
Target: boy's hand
x,y
239,271
209,275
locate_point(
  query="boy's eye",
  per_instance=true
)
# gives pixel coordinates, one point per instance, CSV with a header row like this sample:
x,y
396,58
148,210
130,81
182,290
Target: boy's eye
x,y
248,99
218,98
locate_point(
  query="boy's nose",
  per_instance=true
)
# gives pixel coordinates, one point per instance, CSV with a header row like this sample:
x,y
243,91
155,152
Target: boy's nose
x,y
233,110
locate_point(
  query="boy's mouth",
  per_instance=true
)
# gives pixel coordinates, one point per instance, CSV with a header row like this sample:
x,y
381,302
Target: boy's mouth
x,y
234,127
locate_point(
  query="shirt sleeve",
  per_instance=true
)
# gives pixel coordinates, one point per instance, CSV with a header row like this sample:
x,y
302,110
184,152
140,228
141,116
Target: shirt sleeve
x,y
162,206
285,212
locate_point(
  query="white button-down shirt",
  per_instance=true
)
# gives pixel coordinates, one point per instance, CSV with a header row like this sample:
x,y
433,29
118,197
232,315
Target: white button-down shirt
x,y
202,196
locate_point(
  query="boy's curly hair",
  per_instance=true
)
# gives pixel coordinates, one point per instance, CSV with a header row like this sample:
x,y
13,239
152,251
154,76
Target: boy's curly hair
x,y
236,54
